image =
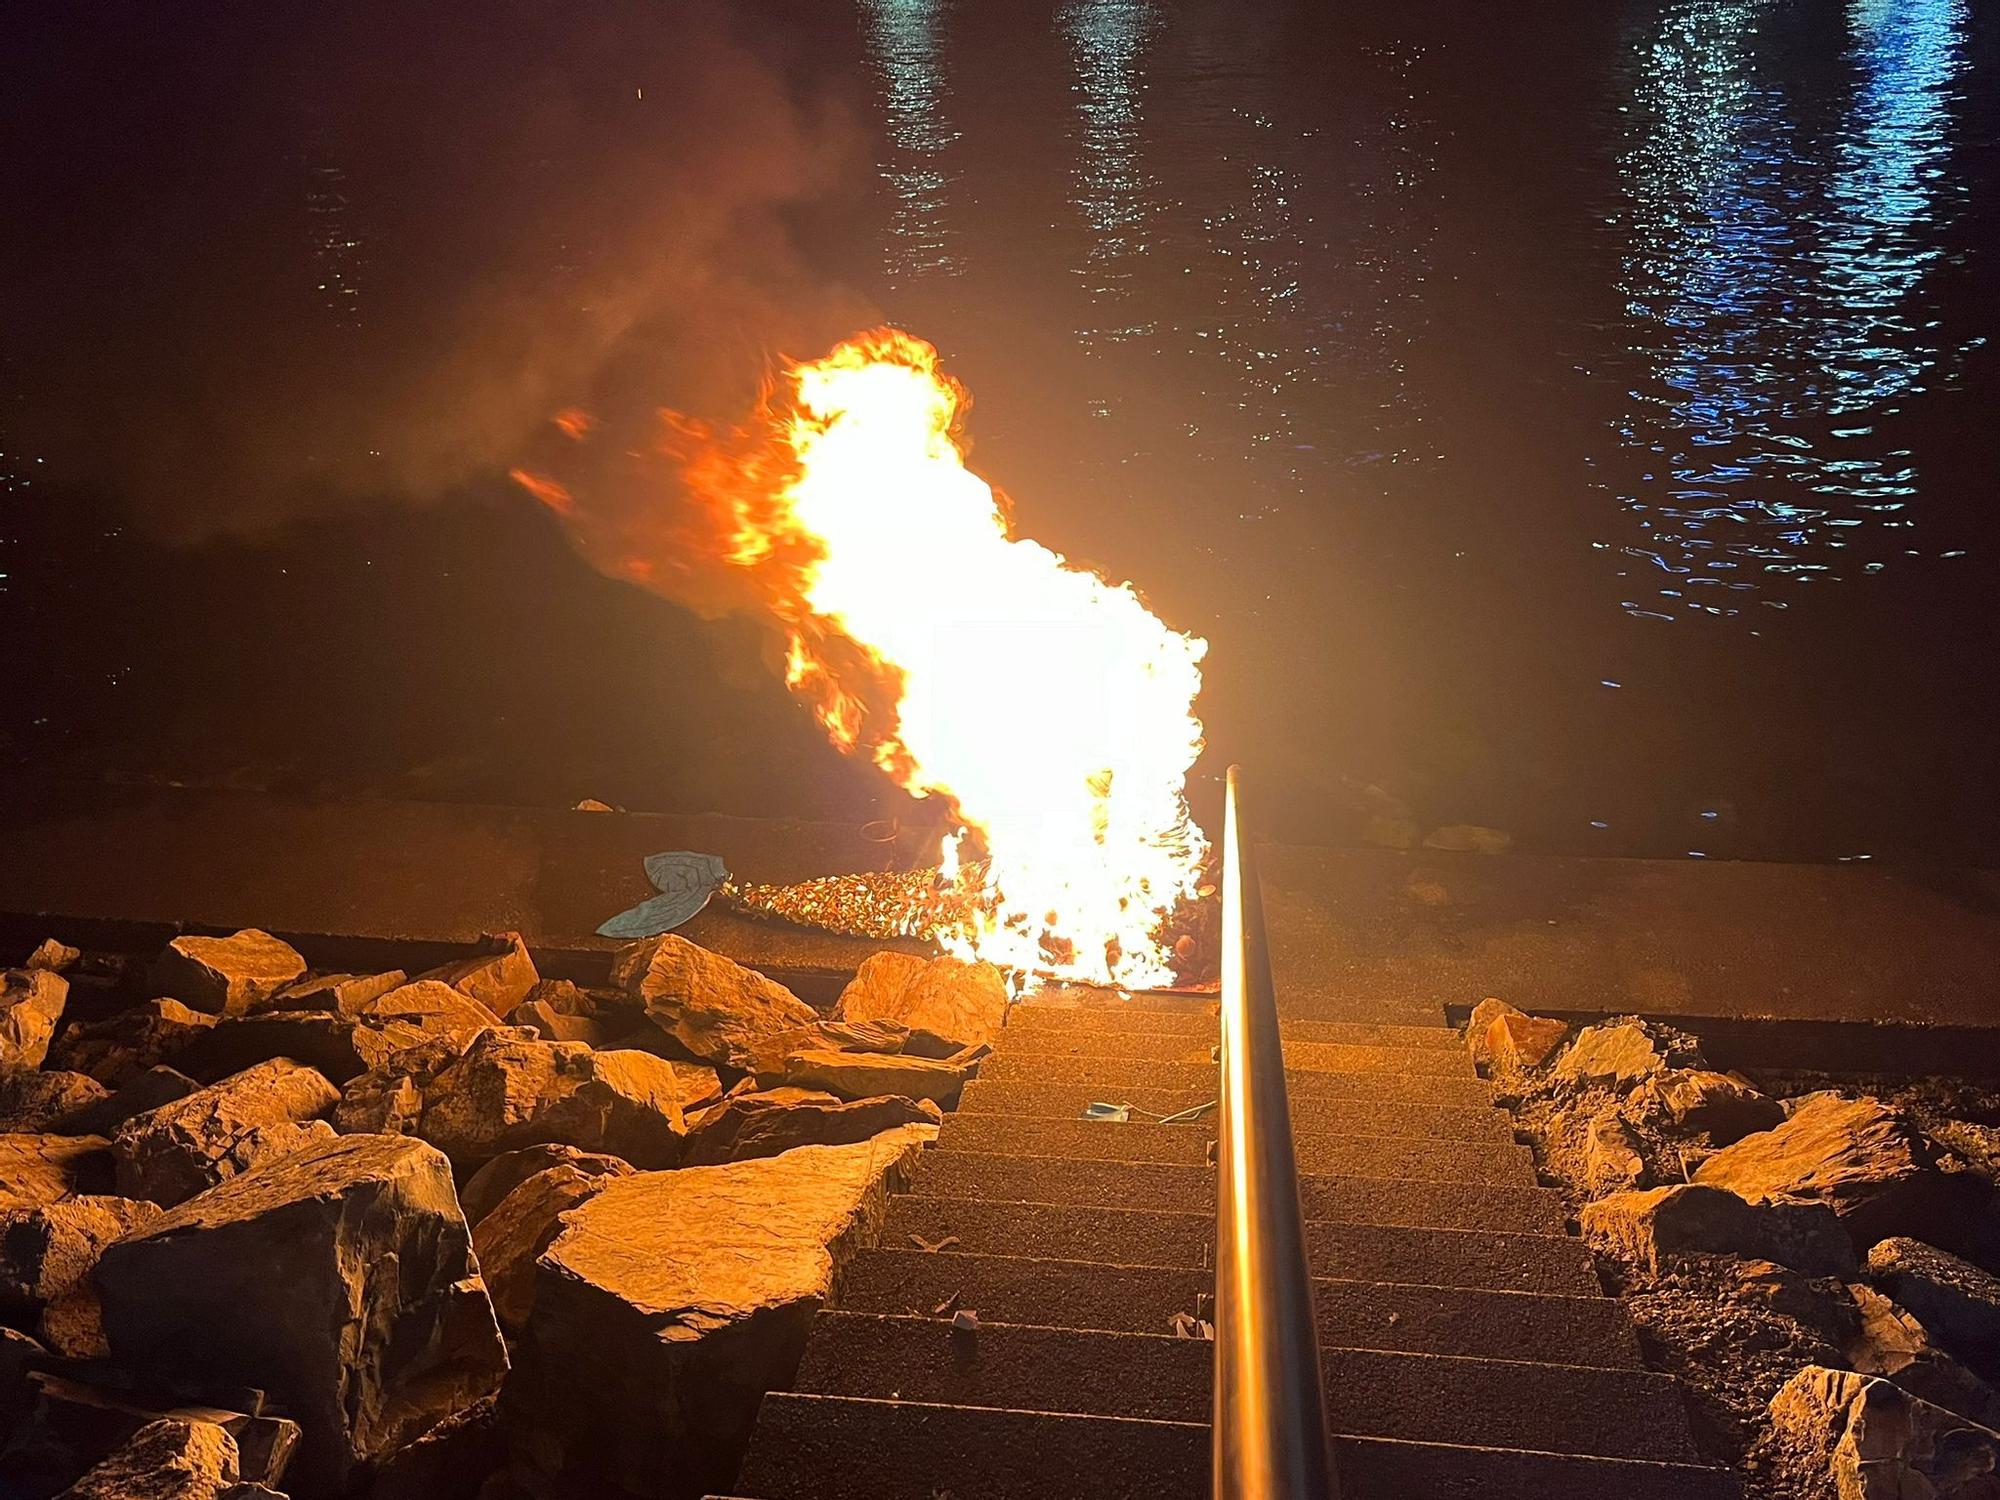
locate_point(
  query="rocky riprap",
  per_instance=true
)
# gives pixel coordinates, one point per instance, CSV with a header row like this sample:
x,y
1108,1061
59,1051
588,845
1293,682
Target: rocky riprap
x,y
1815,1262
469,1234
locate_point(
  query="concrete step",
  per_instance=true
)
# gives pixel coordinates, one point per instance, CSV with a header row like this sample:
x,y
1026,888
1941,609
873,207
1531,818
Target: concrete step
x,y
1138,1237
809,1447
1320,1057
1589,1331
1106,1075
846,1448
1116,1021
1407,1157
1160,1377
1181,1188
1062,1101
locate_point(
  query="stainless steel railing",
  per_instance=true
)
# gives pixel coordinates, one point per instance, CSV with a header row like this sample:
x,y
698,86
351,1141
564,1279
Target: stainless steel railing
x,y
1270,1425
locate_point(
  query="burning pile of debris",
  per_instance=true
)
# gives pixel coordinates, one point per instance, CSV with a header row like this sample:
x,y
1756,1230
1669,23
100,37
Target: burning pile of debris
x,y
1817,1266
465,1233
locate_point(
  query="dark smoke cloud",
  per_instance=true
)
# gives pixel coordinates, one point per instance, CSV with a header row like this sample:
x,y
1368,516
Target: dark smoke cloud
x,y
270,260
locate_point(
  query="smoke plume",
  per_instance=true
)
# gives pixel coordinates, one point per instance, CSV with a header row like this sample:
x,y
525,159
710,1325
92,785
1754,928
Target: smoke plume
x,y
267,261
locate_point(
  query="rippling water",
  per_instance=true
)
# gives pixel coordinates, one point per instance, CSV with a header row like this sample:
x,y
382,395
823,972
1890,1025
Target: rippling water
x,y
1577,423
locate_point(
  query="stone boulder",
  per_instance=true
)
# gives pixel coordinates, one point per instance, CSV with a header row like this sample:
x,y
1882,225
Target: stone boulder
x,y
1613,1159
1723,1108
425,1010
965,1003
36,1169
499,978
757,1124
389,1099
171,1153
1615,1056
1861,1158
507,1092
1655,1228
227,975
484,1190
869,1075
120,1047
33,1100
343,994
339,1279
670,1301
553,1025
46,1250
711,1005
520,1228
56,957
31,1007
1885,1340
1956,1301
81,1425
1857,1437
1509,1042
170,1459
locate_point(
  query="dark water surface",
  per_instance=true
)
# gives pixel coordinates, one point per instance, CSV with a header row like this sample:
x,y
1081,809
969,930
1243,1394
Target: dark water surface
x,y
1581,422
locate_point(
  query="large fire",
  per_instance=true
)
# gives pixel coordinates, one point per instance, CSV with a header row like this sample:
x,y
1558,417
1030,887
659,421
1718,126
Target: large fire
x,y
1050,707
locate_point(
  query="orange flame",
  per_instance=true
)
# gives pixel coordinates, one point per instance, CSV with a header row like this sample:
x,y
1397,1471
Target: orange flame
x,y
1050,707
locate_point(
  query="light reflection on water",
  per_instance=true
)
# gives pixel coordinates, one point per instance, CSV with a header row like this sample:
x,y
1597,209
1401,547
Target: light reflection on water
x,y
902,38
1773,287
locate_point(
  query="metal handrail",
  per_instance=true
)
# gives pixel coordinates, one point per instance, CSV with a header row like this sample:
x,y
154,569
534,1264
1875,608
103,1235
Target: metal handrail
x,y
1270,1425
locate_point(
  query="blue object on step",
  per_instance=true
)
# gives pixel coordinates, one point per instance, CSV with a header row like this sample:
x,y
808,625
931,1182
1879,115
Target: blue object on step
x,y
685,881
1116,1114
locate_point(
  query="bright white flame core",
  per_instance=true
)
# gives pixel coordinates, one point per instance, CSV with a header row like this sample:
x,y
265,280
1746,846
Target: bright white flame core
x,y
1050,705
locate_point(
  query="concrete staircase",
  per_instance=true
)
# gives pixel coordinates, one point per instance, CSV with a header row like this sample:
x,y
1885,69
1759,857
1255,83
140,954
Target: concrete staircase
x,y
1467,1348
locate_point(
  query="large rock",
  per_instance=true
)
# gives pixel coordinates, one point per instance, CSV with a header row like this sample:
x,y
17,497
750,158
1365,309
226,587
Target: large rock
x,y
34,1100
1861,1158
171,1153
37,1169
81,1424
1836,1433
499,978
46,1250
485,1189
1722,1108
1615,1056
1653,1229
426,1009
949,997
1612,1157
757,1124
49,954
1508,1041
227,975
507,1092
340,1279
31,1006
1885,1340
711,1005
671,1300
520,1228
343,994
120,1047
170,1459
868,1075
389,1099
1955,1300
